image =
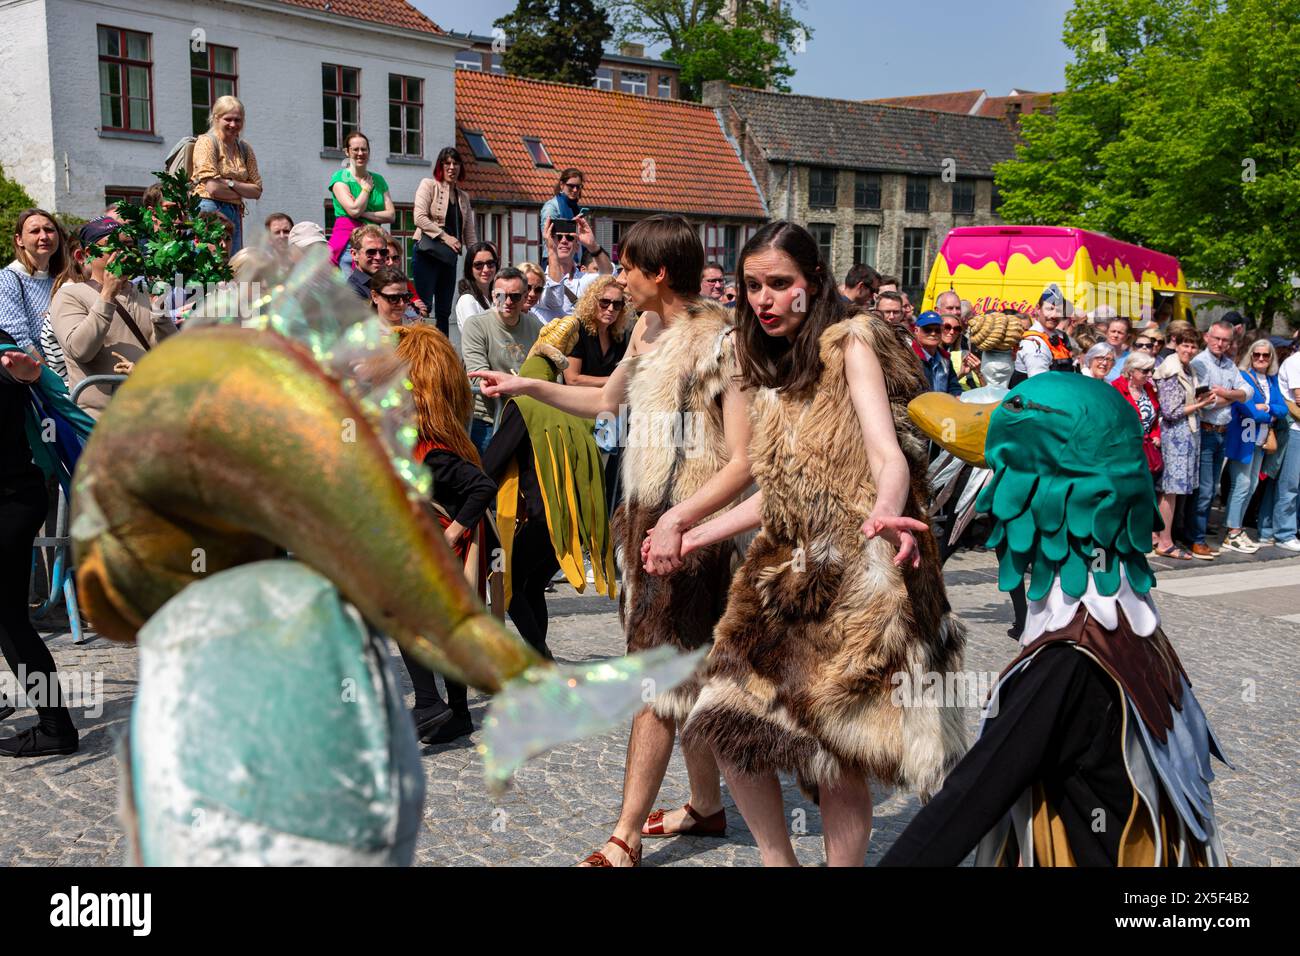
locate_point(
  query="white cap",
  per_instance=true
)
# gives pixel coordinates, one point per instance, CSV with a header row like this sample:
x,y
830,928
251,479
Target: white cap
x,y
304,234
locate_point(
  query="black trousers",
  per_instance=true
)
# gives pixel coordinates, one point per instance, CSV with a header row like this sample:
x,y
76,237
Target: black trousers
x,y
425,683
22,511
436,284
532,565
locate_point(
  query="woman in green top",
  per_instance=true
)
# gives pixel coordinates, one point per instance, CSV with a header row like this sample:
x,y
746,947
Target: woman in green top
x,y
360,196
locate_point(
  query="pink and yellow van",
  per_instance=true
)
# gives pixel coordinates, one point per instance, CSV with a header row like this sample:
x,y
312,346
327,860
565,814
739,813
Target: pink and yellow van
x,y
1007,267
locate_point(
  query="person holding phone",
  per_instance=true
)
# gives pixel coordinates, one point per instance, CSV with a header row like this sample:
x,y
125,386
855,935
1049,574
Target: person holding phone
x,y
565,280
498,340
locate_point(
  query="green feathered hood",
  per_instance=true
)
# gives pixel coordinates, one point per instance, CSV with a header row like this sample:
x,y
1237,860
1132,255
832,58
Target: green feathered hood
x,y
1071,493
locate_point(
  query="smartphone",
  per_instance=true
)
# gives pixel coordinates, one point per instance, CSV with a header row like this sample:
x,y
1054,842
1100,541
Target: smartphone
x,y
564,227
1202,390
585,213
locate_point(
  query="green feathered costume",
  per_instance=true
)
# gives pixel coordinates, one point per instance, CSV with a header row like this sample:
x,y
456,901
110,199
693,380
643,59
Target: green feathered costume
x,y
1094,751
570,474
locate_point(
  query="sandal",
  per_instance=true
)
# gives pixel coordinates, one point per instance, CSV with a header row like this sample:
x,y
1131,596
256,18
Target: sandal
x,y
598,859
1175,552
714,825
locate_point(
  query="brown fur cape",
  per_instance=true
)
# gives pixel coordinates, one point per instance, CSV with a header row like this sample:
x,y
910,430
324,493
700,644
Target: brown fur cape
x,y
675,444
820,624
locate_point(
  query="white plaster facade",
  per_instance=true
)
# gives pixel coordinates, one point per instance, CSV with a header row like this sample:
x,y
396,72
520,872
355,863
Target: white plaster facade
x,y
49,85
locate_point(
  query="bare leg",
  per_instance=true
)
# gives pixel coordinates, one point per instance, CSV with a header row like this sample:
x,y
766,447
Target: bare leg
x,y
648,750
846,821
760,803
706,789
1166,539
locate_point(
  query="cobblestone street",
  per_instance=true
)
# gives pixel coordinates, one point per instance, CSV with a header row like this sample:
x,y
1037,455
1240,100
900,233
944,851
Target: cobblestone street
x,y
1238,636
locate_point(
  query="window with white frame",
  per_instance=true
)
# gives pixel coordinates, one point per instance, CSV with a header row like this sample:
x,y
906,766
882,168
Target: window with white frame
x,y
632,82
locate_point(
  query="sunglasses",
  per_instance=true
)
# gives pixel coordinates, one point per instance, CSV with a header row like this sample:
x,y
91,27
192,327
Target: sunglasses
x,y
565,236
375,253
616,304
928,329
395,298
510,296
1264,355
717,281
486,264
573,185
952,328
1144,345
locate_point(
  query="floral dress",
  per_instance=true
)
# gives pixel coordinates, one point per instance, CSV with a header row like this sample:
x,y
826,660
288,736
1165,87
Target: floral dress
x,y
1180,439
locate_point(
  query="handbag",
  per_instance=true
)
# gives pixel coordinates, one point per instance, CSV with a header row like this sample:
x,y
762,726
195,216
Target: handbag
x,y
56,428
438,250
1155,460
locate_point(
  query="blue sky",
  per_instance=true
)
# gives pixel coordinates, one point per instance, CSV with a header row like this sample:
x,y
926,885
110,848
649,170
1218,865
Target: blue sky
x,y
862,49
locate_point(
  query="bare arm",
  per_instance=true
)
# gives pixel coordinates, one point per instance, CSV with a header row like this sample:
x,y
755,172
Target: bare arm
x,y
664,554
353,207
746,516
388,214
888,465
583,402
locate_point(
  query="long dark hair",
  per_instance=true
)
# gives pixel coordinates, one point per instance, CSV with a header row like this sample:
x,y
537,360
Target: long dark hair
x,y
770,361
467,283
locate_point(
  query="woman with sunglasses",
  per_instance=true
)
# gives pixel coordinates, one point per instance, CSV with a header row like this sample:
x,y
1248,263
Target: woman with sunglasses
x,y
965,363
536,279
566,204
481,263
603,316
1249,431
390,294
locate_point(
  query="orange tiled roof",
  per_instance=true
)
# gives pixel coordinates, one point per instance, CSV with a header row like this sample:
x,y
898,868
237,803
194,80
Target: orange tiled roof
x,y
393,13
638,152
961,102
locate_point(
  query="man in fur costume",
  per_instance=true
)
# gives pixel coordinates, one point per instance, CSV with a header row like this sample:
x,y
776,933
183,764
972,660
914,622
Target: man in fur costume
x,y
685,459
1094,751
842,590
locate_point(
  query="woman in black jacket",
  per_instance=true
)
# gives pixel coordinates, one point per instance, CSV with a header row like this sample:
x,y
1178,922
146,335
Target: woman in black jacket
x,y
23,505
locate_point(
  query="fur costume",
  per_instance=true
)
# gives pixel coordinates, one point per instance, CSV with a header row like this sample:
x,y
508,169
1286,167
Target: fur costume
x,y
821,627
675,444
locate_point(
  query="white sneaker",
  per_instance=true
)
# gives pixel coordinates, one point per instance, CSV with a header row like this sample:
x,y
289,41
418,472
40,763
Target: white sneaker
x,y
1265,542
1240,542
1292,545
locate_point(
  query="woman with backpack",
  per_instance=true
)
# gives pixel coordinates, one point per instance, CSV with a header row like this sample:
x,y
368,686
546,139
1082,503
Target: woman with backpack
x,y
224,167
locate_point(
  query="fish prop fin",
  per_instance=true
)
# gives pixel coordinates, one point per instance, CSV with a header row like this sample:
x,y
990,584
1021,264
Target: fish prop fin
x,y
546,707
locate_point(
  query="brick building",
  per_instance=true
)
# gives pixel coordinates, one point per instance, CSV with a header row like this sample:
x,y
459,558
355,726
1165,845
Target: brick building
x,y
640,156
875,184
628,71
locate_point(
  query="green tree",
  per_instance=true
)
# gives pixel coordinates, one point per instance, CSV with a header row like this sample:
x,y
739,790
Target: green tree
x,y
13,200
558,40
1179,129
751,48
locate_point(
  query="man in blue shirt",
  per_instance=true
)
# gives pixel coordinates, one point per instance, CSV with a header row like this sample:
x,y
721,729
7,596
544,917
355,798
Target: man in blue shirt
x,y
1212,367
934,357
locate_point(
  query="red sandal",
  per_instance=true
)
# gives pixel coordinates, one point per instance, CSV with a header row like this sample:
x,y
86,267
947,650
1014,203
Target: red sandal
x,y
598,859
714,825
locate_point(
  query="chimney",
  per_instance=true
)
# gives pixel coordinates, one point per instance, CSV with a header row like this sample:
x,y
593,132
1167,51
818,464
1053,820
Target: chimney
x,y
632,49
716,93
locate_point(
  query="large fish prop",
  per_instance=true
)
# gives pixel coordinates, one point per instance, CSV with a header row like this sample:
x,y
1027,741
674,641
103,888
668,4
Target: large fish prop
x,y
240,440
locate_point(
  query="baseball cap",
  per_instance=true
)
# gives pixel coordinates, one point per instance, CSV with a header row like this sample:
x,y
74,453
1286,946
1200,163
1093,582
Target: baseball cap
x,y
928,317
304,234
95,230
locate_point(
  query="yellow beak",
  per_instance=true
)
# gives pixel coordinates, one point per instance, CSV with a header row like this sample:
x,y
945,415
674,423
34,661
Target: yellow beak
x,y
958,427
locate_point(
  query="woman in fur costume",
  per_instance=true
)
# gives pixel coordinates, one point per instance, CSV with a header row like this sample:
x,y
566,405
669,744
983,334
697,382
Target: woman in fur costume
x,y
684,459
841,595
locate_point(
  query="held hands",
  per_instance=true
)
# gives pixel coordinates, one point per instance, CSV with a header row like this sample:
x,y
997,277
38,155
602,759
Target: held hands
x,y
661,551
900,532
23,367
499,384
